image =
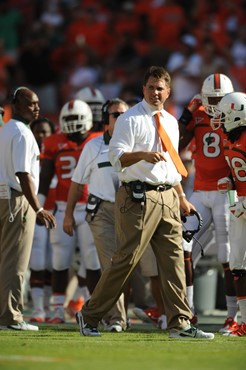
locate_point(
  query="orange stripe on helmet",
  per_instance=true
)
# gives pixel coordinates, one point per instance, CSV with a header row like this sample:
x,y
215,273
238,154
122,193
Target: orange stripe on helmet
x,y
70,104
217,81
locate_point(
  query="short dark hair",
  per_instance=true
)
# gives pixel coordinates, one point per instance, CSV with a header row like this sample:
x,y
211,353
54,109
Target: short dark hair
x,y
43,120
159,73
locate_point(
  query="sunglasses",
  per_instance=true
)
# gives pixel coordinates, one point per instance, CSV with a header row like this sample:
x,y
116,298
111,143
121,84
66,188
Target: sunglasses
x,y
115,114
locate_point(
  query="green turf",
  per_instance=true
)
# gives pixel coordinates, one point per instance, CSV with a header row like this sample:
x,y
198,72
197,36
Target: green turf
x,y
141,348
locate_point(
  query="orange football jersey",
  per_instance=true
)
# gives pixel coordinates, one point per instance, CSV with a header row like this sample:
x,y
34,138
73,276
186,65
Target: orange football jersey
x,y
65,154
236,157
209,160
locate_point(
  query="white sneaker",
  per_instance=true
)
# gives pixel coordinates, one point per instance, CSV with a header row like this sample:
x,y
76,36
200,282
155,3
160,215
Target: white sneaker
x,y
162,322
114,328
20,326
191,332
84,328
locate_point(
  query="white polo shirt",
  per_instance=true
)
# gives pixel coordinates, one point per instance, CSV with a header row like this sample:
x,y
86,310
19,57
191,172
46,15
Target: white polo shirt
x,y
94,169
135,130
19,152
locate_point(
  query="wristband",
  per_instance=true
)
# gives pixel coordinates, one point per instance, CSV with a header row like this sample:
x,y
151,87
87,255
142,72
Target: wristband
x,y
39,210
182,195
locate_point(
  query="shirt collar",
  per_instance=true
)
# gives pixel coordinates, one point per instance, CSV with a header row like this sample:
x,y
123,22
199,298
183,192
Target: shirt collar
x,y
19,118
150,110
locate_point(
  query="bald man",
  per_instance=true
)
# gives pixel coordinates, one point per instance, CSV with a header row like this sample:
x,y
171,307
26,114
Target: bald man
x,y
19,206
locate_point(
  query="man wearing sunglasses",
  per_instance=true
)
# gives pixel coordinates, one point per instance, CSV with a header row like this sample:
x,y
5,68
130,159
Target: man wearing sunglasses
x,y
95,170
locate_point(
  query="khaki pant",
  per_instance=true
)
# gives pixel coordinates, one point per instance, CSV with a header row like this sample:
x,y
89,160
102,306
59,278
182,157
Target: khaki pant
x,y
103,230
15,249
158,222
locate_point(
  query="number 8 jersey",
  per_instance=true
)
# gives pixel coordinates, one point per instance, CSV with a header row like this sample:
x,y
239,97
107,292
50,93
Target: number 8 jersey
x,y
210,163
235,155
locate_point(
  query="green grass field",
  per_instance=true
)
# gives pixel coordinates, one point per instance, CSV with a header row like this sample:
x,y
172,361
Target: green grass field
x,y
141,348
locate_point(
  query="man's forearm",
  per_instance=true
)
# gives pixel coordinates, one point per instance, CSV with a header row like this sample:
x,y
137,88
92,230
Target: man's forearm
x,y
74,194
129,158
28,189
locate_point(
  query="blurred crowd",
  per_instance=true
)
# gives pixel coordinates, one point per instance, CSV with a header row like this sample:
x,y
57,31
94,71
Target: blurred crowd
x,y
56,47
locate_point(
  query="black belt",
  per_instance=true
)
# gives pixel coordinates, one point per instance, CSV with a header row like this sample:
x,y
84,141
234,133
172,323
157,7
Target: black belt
x,y
160,187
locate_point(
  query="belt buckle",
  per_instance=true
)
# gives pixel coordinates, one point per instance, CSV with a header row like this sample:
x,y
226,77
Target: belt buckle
x,y
161,188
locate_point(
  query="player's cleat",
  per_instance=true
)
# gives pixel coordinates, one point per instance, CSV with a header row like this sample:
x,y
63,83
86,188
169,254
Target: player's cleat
x,y
48,315
191,332
74,306
194,320
20,326
240,332
147,315
84,328
58,317
162,322
56,321
229,325
38,316
114,328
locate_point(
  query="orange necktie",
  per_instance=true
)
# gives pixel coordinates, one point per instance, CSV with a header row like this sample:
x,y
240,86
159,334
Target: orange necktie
x,y
168,146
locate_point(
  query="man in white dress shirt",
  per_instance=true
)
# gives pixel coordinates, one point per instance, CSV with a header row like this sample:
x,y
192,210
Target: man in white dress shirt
x,y
147,209
95,170
19,206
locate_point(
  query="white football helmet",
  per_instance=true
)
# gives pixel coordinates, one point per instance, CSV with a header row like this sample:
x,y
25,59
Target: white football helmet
x,y
214,88
95,99
230,112
75,116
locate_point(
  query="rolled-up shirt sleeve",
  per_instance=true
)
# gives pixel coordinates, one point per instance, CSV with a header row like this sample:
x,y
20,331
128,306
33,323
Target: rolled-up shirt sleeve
x,y
121,142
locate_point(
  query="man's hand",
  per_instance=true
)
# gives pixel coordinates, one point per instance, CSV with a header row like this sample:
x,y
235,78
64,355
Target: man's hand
x,y
68,224
186,207
195,103
46,218
224,185
153,157
238,209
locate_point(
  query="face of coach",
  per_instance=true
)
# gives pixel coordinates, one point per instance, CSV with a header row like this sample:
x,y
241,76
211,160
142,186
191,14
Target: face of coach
x,y
26,105
156,91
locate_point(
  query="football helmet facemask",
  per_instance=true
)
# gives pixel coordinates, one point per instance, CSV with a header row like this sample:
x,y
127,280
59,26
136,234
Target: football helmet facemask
x,y
214,88
230,112
95,99
75,116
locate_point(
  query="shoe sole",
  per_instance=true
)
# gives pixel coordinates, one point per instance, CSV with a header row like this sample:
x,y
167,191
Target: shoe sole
x,y
15,329
186,337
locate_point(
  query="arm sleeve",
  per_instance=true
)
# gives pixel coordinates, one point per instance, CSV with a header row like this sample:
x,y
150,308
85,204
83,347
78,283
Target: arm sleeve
x,y
82,171
22,154
122,141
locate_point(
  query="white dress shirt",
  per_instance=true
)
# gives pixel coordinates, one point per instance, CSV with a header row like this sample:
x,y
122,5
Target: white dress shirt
x,y
134,131
95,169
19,152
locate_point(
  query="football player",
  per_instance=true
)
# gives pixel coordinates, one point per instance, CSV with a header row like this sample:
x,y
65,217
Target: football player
x,y
232,116
61,154
210,166
95,100
40,261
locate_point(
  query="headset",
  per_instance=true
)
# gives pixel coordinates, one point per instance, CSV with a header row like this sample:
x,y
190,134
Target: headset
x,y
189,234
106,106
105,115
15,93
